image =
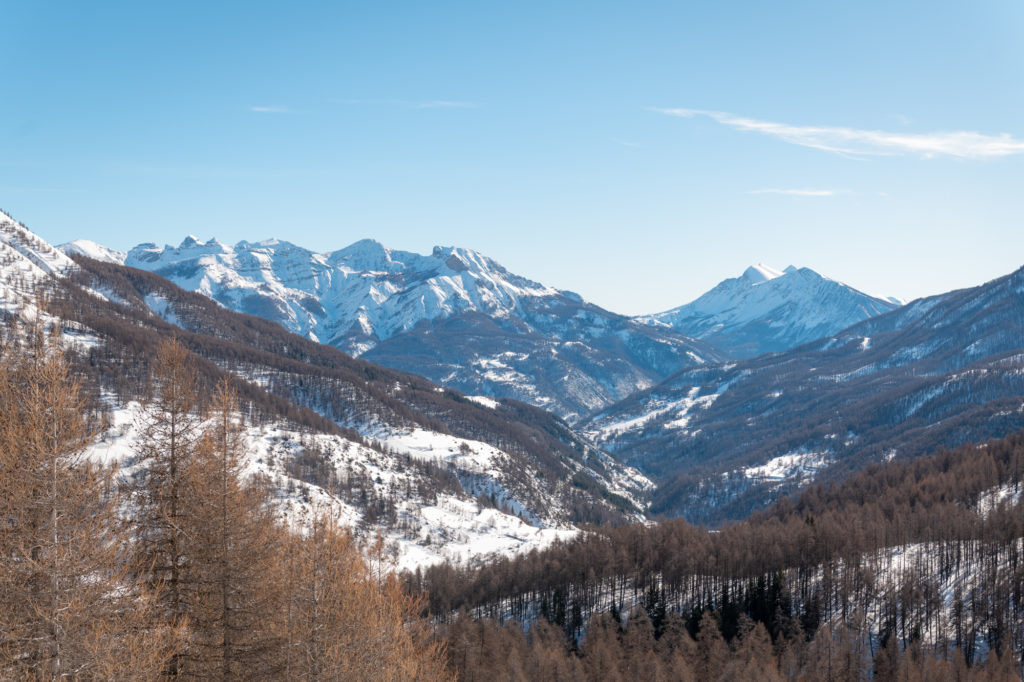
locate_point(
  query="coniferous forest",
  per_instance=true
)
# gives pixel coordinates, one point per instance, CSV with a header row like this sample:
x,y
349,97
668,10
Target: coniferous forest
x,y
174,567
176,561
908,571
512,342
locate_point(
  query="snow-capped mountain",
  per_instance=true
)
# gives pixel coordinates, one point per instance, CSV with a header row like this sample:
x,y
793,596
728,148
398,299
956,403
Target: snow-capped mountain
x,y
90,249
722,439
351,298
766,310
438,474
454,316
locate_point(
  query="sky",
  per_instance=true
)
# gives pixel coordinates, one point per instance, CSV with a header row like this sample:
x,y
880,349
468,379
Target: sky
x,y
636,153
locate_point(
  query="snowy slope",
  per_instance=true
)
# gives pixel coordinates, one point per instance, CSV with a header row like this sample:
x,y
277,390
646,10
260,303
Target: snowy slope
x,y
90,249
454,316
936,372
430,527
26,261
767,310
433,495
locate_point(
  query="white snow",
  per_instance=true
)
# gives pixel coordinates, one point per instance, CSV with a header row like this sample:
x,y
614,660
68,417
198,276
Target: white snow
x,y
790,307
1008,494
91,249
435,529
789,466
484,400
162,308
25,261
761,273
366,289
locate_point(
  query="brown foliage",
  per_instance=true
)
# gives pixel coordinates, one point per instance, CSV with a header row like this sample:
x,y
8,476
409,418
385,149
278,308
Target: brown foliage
x,y
235,567
343,623
67,607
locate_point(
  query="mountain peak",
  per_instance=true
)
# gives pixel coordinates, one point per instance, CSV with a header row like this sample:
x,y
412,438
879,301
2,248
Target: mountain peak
x,y
91,249
760,273
365,255
765,310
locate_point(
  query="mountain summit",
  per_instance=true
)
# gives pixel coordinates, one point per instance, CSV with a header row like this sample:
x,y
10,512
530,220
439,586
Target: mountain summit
x,y
765,310
454,316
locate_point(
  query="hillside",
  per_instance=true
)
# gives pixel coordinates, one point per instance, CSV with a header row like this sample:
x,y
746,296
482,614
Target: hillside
x,y
908,566
439,473
723,440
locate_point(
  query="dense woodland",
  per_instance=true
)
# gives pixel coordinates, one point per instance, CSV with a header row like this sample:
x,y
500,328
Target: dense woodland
x,y
907,570
174,567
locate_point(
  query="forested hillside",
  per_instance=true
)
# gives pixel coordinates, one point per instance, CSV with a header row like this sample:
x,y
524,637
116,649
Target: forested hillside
x,y
907,570
179,568
544,469
724,440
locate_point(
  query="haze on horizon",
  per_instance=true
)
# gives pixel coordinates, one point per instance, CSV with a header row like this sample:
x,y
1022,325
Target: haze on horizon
x,y
637,156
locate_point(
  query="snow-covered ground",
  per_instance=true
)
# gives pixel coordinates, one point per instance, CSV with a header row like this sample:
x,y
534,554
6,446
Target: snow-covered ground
x,y
794,465
25,262
430,528
91,249
1008,494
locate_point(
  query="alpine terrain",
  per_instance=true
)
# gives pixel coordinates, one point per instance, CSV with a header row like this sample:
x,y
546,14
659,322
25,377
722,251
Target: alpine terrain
x,y
722,439
438,474
767,311
454,316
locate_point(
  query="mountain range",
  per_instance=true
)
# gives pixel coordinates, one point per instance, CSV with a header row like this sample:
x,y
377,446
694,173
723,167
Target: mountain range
x,y
938,372
462,320
438,474
769,381
454,316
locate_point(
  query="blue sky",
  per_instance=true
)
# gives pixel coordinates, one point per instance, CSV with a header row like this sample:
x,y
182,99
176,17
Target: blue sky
x,y
637,153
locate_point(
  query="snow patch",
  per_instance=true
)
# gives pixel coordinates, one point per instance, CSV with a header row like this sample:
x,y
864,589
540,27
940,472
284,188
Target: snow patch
x,y
485,401
789,466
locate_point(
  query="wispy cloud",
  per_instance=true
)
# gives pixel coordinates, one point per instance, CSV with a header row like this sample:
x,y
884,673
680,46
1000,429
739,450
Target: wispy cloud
x,y
417,104
801,192
271,110
856,142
